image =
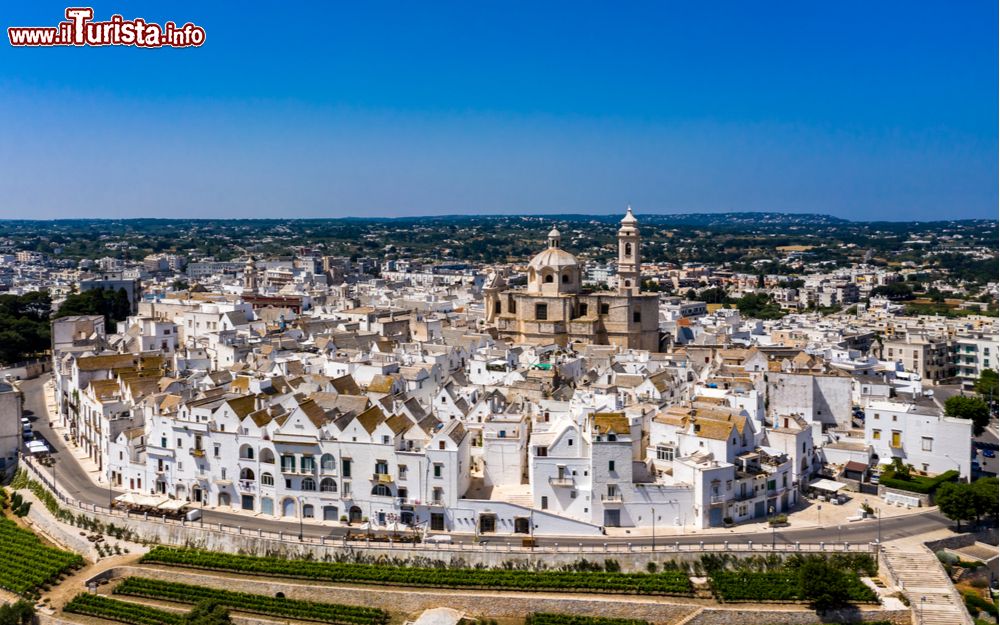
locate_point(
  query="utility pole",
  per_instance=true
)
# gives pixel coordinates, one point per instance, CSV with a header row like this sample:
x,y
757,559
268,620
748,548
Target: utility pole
x,y
653,512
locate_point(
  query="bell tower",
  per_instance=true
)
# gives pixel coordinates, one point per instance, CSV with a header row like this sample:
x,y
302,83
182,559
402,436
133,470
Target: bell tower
x,y
628,255
250,276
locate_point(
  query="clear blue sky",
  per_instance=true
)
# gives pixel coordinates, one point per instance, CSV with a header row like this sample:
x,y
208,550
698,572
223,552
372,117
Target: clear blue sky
x,y
864,110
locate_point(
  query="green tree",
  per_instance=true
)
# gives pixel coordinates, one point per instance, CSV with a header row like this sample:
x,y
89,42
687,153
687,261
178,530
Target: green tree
x,y
972,408
985,496
208,612
24,325
113,305
822,584
957,502
17,613
987,385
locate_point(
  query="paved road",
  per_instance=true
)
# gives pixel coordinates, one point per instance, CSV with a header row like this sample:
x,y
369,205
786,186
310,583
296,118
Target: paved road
x,y
74,481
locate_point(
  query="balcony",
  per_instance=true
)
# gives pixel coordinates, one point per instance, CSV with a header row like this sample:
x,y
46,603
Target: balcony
x,y
382,478
198,453
247,486
611,498
561,481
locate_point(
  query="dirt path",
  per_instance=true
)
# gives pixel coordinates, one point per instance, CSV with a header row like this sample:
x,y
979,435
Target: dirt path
x,y
77,583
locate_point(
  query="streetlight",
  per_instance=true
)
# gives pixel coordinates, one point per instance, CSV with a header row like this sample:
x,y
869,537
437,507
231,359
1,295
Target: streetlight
x,y
300,518
652,511
878,525
770,512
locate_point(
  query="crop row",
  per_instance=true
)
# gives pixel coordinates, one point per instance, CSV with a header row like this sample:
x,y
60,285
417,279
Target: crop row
x,y
122,611
548,618
248,602
27,563
665,583
776,586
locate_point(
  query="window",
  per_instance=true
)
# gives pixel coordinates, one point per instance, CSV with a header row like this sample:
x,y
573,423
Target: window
x,y
611,466
636,315
565,278
385,439
381,490
927,443
664,452
308,484
541,452
628,251
549,279
496,307
381,467
541,312
308,464
605,309
402,472
438,469
345,467
877,435
328,463
288,463
545,503
307,511
583,310
328,485
266,479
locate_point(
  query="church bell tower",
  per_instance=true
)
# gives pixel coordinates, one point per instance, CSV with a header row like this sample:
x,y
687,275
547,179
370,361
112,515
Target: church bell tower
x,y
628,255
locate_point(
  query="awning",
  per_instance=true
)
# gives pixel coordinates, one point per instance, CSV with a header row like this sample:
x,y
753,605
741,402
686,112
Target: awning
x,y
171,504
827,485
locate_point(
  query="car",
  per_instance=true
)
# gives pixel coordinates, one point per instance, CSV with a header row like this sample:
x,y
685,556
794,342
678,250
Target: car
x,y
874,478
989,453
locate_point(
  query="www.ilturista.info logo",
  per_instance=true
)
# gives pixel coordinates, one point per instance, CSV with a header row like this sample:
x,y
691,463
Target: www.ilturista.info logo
x,y
80,29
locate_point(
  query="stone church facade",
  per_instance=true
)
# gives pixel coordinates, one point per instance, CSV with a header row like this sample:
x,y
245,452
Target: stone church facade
x,y
555,308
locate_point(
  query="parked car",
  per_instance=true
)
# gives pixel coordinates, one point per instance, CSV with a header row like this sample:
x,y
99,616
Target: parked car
x,y
989,453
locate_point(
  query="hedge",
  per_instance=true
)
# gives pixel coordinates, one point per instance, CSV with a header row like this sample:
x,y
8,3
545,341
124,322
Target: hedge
x,y
122,611
778,586
258,604
916,484
665,583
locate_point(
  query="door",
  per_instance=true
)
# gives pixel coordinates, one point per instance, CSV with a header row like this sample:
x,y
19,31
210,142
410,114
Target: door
x,y
521,526
225,500
437,521
355,514
612,518
759,509
330,513
288,507
246,502
266,505
715,517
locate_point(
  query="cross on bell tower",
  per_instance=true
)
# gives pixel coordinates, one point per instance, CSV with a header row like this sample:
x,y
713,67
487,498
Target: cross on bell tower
x,y
628,255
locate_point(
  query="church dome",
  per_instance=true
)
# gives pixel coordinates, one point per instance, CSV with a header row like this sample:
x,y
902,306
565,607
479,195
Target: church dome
x,y
553,258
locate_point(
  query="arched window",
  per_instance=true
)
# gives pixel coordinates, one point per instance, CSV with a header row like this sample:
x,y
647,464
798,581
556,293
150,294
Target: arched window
x,y
308,484
549,279
565,278
246,474
246,452
628,283
267,479
328,464
381,490
267,456
628,249
328,485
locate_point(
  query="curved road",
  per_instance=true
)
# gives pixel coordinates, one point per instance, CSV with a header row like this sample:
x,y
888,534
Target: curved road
x,y
73,480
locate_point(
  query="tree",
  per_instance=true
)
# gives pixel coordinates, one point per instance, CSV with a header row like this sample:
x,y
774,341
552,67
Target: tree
x,y
956,501
822,584
24,325
114,305
986,498
18,613
987,385
972,408
208,612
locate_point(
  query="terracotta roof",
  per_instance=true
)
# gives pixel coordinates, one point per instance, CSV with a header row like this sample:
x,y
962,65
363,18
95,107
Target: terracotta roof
x,y
611,422
242,405
369,419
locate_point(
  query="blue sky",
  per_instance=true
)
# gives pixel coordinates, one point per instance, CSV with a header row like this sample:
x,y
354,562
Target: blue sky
x,y
864,110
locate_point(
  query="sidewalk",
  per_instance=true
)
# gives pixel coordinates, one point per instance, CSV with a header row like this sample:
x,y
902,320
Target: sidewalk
x,y
89,466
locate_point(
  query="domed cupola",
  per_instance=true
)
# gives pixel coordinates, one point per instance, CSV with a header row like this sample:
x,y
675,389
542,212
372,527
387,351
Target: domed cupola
x,y
554,270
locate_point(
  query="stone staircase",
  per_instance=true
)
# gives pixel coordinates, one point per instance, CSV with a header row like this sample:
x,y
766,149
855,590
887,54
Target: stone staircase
x,y
933,598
